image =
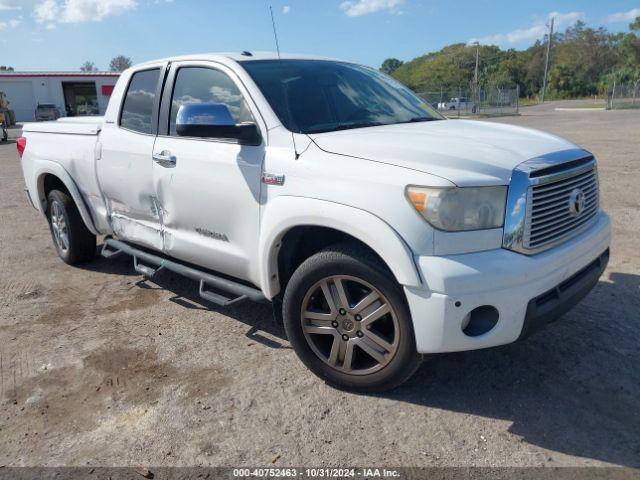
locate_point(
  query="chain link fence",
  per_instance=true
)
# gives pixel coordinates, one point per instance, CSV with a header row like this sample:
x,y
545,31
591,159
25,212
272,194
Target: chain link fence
x,y
485,101
623,96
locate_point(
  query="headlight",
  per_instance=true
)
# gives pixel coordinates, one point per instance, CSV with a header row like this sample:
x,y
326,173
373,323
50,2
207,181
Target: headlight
x,y
458,209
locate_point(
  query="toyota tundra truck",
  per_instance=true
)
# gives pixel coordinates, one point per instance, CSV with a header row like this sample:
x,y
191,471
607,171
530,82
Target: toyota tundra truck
x,y
379,230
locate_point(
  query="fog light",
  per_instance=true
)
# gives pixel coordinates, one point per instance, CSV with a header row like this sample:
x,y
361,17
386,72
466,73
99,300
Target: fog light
x,y
480,320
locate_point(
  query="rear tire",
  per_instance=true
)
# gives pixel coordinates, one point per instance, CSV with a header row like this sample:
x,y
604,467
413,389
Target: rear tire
x,y
348,320
73,241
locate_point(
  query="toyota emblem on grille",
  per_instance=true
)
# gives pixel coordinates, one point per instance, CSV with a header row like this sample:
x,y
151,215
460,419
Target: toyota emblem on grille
x,y
576,202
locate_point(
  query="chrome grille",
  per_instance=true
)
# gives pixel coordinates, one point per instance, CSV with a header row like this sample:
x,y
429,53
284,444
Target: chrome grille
x,y
543,195
560,204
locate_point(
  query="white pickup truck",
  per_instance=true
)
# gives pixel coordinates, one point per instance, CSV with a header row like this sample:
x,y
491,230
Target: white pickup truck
x,y
458,103
379,230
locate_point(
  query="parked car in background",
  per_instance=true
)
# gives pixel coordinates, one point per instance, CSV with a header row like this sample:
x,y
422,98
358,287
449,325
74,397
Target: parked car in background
x,y
379,229
458,103
47,111
87,109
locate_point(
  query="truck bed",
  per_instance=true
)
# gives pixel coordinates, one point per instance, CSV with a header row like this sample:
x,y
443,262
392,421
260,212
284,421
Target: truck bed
x,y
67,149
69,125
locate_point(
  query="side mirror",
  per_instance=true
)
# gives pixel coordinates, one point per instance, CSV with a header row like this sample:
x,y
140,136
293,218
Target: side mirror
x,y
213,120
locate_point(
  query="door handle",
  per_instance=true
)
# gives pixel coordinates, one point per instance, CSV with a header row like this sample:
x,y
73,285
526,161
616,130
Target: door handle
x,y
165,159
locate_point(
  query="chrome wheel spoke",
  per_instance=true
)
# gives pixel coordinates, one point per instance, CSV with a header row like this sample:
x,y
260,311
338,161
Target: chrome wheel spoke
x,y
326,290
64,239
319,318
59,227
371,349
379,312
366,301
341,354
337,351
348,356
319,330
341,299
377,339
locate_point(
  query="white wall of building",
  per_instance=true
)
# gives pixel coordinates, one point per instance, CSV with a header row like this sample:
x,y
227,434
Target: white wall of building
x,y
24,92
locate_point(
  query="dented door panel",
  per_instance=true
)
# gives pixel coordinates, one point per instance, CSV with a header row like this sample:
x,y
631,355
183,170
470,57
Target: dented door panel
x,y
210,203
126,179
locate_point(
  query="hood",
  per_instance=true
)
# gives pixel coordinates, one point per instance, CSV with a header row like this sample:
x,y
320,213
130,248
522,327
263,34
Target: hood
x,y
466,152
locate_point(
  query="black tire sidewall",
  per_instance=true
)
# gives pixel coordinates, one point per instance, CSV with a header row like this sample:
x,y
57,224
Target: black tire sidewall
x,y
338,262
81,242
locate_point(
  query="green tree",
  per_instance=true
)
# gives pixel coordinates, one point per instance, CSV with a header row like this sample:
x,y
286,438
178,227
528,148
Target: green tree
x,y
583,61
88,66
390,65
120,63
4,68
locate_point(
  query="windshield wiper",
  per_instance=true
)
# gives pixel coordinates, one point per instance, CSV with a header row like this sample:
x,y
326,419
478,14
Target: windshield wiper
x,y
348,126
420,119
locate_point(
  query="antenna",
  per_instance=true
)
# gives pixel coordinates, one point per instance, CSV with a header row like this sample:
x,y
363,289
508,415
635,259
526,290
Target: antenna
x,y
275,33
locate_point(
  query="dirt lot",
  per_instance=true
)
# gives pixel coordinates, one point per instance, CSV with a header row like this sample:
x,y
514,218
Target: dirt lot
x,y
98,367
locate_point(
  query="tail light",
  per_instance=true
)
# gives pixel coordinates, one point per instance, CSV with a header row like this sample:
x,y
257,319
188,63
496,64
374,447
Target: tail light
x,y
21,144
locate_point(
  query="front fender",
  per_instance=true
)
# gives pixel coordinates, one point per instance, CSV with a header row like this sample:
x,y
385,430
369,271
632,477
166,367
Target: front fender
x,y
286,212
44,167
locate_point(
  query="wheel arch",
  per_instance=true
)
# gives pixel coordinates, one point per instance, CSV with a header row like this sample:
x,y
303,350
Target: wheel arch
x,y
289,222
52,176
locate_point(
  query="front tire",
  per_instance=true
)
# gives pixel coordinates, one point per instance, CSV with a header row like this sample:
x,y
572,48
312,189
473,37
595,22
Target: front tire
x,y
348,321
73,241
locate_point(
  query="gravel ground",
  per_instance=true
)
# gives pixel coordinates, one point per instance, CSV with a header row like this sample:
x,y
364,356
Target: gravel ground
x,y
98,367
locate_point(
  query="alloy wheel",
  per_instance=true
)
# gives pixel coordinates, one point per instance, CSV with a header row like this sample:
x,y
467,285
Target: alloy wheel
x,y
59,227
350,325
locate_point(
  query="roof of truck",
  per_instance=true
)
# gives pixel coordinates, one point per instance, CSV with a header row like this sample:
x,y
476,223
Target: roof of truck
x,y
11,74
240,57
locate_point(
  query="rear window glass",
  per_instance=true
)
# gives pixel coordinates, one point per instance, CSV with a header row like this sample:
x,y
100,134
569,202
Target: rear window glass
x,y
137,110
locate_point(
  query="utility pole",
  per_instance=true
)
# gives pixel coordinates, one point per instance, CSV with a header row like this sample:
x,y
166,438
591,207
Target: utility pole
x,y
546,64
475,75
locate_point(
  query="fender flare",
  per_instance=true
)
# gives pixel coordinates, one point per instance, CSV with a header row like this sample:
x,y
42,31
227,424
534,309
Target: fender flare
x,y
286,212
44,167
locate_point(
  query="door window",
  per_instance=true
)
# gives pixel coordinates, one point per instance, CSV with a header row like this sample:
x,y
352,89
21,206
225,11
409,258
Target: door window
x,y
137,110
207,85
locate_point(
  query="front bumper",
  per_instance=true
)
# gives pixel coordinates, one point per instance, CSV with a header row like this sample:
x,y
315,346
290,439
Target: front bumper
x,y
455,285
553,304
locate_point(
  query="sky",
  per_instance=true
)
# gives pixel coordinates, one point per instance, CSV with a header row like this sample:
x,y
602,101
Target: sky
x,y
63,34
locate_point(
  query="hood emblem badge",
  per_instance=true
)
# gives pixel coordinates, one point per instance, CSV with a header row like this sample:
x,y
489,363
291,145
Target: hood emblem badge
x,y
576,202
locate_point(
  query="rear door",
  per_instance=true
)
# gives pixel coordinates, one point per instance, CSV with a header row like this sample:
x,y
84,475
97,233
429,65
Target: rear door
x,y
125,166
209,192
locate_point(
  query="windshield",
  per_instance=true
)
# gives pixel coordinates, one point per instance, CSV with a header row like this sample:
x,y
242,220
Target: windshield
x,y
313,96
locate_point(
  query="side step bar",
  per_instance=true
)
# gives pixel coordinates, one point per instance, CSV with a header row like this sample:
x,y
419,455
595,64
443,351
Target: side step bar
x,y
153,264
